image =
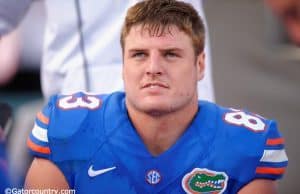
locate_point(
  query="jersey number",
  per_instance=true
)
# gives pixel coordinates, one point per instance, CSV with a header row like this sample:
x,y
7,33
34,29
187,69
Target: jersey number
x,y
72,102
241,118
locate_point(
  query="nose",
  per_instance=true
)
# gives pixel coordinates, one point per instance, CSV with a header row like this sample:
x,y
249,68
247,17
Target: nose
x,y
154,66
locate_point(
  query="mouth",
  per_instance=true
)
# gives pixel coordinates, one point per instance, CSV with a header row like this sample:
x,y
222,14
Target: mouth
x,y
154,85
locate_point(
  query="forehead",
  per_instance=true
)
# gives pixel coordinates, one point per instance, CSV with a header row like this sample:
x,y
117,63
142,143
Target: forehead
x,y
144,36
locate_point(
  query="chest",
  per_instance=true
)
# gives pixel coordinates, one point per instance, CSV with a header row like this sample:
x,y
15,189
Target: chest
x,y
186,168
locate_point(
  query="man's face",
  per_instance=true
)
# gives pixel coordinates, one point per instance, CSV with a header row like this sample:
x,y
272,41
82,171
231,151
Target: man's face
x,y
289,13
160,72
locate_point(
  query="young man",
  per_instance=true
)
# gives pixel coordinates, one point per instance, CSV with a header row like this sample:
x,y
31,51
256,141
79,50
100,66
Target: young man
x,y
81,41
156,137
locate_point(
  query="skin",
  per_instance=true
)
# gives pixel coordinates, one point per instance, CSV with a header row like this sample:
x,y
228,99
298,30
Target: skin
x,y
288,11
160,75
9,56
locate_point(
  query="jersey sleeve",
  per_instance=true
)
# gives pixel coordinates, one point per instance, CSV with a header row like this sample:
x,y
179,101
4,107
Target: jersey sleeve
x,y
274,160
37,140
59,133
61,126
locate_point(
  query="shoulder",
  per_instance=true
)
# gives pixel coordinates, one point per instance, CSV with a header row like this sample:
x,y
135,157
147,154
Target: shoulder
x,y
67,113
253,138
240,119
65,125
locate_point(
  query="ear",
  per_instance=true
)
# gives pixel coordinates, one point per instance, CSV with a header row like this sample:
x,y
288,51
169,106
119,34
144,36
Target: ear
x,y
200,63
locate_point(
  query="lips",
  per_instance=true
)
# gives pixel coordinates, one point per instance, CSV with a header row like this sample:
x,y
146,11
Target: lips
x,y
151,84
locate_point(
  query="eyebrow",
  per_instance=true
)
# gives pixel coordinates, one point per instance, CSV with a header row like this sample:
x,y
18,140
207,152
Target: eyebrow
x,y
164,49
136,50
172,49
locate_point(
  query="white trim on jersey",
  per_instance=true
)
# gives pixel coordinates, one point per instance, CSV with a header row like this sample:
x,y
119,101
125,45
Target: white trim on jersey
x,y
40,133
274,156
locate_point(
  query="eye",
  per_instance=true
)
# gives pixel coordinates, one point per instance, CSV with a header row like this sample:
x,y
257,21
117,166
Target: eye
x,y
138,54
171,54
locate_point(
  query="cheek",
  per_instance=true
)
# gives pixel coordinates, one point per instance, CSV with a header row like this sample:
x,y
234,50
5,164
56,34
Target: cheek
x,y
131,76
127,72
126,76
189,75
188,82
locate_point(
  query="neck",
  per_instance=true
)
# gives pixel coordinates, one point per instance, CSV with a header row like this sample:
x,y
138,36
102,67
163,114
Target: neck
x,y
160,132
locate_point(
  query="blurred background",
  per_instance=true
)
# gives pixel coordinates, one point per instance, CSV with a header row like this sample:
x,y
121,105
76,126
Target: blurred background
x,y
255,66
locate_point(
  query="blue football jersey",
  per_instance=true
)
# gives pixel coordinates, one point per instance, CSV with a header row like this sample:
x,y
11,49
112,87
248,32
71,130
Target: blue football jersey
x,y
93,142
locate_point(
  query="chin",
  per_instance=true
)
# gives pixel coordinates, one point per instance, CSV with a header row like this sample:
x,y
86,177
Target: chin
x,y
157,112
158,109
